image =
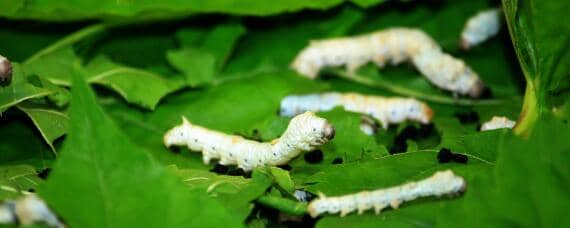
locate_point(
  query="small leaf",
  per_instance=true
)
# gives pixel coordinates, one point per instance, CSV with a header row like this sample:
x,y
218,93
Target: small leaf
x,y
50,122
204,54
137,86
16,179
20,89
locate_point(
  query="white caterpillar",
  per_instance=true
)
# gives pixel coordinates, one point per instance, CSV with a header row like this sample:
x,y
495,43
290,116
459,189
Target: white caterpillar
x,y
497,122
304,133
481,27
385,110
28,210
441,183
394,45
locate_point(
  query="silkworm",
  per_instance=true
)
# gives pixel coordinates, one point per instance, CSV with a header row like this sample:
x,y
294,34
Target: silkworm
x,y
481,27
385,110
305,132
497,122
28,210
5,70
441,183
394,45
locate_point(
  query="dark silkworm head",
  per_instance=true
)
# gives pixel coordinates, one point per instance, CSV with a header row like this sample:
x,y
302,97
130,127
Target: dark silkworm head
x,y
329,132
5,70
477,89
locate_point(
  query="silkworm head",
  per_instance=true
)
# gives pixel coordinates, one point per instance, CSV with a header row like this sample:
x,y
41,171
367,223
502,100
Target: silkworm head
x,y
477,89
177,136
315,130
5,70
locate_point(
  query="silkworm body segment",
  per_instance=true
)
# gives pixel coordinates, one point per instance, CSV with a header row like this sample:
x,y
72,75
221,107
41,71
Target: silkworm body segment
x,y
28,210
385,110
481,27
305,132
497,122
394,45
441,183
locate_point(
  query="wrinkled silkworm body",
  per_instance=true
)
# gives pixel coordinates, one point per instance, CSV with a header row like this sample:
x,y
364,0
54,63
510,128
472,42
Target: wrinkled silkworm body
x,y
305,132
441,183
385,110
481,27
28,210
394,45
497,122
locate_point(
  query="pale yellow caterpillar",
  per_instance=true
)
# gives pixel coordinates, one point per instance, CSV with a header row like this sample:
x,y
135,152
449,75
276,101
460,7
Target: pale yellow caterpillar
x,y
385,110
28,210
394,45
497,122
305,132
441,183
481,27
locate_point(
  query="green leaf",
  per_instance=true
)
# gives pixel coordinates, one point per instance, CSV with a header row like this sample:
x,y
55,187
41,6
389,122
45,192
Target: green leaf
x,y
210,182
538,197
283,179
283,204
198,66
542,44
204,54
235,192
107,9
221,41
16,179
113,177
55,66
21,89
50,122
137,86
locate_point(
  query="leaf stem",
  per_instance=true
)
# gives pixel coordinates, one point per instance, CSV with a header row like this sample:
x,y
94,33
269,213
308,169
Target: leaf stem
x,y
412,93
285,205
529,113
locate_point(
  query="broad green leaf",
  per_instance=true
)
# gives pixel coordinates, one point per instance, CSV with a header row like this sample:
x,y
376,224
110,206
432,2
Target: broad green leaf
x,y
50,122
532,176
542,44
22,88
114,176
138,10
137,86
16,179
